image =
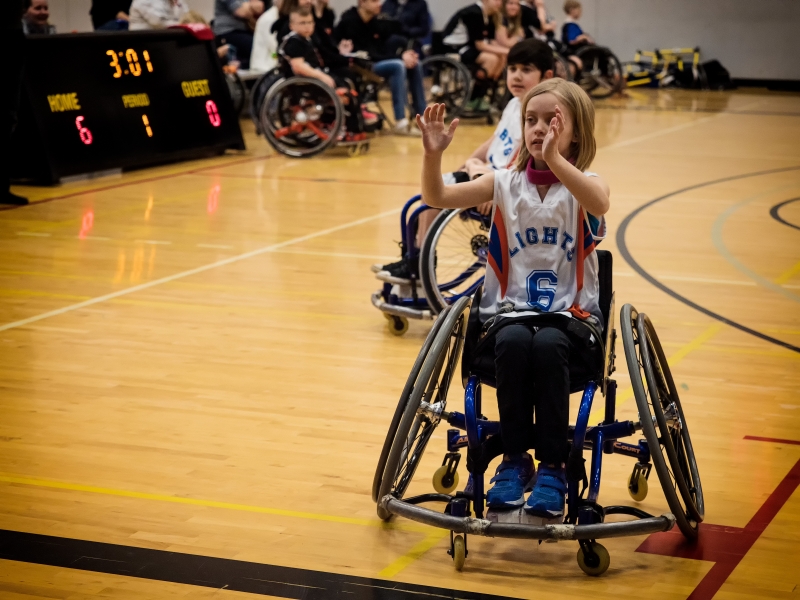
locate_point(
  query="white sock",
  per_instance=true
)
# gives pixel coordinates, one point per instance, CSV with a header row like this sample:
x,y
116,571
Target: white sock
x,y
401,124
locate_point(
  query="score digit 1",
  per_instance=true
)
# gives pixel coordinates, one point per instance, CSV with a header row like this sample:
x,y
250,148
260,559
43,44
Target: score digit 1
x,y
213,114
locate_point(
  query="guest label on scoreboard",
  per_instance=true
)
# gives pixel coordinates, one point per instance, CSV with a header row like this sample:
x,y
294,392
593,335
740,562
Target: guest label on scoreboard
x,y
192,89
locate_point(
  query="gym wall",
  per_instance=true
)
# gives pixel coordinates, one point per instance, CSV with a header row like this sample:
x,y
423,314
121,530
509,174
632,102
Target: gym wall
x,y
753,40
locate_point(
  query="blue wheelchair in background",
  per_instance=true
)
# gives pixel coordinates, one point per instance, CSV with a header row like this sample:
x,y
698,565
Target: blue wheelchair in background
x,y
449,264
456,336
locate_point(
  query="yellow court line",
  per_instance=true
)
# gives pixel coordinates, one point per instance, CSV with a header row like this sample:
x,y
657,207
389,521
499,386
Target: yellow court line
x,y
77,487
431,540
787,275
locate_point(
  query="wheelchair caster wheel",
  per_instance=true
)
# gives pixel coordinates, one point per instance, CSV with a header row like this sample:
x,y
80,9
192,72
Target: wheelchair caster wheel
x,y
459,552
398,325
594,562
637,487
439,480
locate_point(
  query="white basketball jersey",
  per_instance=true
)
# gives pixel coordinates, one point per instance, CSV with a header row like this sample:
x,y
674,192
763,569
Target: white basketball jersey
x,y
507,137
541,253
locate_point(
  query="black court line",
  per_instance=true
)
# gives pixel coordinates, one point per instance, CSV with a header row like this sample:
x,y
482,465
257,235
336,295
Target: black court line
x,y
626,254
774,212
210,572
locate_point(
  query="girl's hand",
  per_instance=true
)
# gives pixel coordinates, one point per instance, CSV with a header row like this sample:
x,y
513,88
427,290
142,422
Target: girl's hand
x,y
550,144
435,136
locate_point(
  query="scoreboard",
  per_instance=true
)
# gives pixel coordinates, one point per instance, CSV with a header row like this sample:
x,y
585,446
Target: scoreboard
x,y
100,101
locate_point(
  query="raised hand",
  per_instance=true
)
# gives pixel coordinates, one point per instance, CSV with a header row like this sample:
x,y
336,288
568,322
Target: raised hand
x,y
435,136
550,143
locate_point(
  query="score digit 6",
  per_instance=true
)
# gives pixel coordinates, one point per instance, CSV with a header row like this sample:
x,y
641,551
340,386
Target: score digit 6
x,y
86,135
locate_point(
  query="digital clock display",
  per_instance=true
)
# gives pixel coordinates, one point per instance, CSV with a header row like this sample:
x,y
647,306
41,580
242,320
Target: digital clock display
x,y
99,101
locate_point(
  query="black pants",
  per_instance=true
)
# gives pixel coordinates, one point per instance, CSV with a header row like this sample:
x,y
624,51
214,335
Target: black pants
x,y
533,373
242,41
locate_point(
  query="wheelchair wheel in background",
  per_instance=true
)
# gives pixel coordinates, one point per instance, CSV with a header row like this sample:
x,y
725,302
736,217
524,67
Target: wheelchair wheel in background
x,y
602,73
662,419
301,117
561,67
453,257
237,92
430,386
448,82
259,93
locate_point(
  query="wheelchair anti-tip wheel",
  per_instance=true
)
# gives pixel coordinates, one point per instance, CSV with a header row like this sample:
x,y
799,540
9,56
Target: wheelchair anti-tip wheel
x,y
397,325
421,405
595,560
662,420
601,75
447,82
453,257
301,117
459,552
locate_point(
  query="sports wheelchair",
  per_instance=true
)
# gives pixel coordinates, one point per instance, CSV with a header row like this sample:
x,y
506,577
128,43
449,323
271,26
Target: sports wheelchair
x,y
449,264
301,116
666,444
601,74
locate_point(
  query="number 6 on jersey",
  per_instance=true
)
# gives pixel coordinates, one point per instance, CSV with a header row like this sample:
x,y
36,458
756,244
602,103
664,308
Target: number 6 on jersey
x,y
542,289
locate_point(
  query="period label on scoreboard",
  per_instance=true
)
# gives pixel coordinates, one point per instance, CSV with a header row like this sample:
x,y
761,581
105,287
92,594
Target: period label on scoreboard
x,y
124,100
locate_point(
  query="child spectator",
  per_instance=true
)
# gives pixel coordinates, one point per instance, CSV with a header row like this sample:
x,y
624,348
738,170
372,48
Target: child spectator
x,y
35,18
377,36
234,22
472,33
156,14
301,51
264,55
512,29
548,212
529,63
571,32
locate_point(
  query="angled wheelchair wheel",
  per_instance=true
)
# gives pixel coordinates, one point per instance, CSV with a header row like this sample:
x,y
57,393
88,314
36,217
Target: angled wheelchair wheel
x,y
259,92
447,82
237,92
662,420
423,404
453,257
602,74
301,117
561,67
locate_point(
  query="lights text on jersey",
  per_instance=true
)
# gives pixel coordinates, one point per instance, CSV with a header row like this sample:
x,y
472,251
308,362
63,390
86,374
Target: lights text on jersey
x,y
83,131
213,114
198,87
63,102
135,100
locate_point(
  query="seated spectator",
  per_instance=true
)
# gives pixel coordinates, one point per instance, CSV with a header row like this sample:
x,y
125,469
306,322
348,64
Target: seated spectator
x,y
301,51
110,14
571,33
324,17
537,22
36,16
264,55
512,29
156,14
368,32
472,32
326,45
234,22
413,15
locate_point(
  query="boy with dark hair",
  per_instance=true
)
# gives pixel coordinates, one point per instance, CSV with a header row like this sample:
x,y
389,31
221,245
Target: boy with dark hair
x,y
529,63
301,51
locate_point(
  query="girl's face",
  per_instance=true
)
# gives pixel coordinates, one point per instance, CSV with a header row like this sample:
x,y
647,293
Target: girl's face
x,y
512,8
540,111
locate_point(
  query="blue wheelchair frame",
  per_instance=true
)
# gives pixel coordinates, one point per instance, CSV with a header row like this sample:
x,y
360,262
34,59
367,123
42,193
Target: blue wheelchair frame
x,y
415,305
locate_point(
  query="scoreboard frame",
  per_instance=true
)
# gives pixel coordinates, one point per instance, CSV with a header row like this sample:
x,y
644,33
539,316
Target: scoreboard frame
x,y
96,102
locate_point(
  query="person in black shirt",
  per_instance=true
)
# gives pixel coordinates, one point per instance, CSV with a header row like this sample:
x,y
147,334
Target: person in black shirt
x,y
413,16
13,45
107,13
324,17
379,38
472,32
301,49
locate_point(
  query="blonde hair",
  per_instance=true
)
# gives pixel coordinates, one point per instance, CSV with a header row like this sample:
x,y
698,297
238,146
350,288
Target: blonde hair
x,y
569,5
580,106
193,17
514,26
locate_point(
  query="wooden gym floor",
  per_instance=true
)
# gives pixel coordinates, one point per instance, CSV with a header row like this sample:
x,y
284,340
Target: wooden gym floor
x,y
191,372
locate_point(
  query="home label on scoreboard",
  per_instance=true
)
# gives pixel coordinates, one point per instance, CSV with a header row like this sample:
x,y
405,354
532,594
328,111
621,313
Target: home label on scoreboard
x,y
103,101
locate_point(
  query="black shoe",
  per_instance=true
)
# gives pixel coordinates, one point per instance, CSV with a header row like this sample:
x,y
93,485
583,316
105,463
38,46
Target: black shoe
x,y
398,269
11,198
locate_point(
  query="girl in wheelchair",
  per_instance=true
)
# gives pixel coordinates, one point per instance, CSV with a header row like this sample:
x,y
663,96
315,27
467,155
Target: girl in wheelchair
x,y
540,304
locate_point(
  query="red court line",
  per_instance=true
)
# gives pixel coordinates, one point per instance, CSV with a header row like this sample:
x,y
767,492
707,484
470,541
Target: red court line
x,y
146,180
725,546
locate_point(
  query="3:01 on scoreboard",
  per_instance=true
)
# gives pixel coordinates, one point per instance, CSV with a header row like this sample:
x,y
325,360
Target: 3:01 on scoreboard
x,y
132,65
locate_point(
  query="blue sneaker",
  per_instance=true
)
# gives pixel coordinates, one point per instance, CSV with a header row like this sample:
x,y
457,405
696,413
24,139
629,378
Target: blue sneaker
x,y
547,498
511,480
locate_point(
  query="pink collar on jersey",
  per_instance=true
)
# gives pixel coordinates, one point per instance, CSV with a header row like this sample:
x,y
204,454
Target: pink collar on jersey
x,y
546,177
